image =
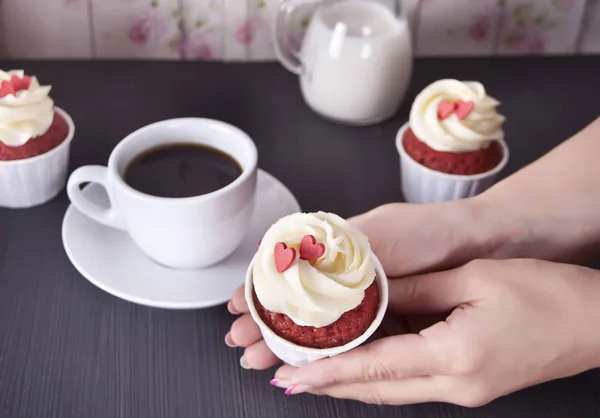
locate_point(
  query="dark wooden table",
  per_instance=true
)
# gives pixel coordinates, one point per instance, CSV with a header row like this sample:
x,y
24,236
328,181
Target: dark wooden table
x,y
69,350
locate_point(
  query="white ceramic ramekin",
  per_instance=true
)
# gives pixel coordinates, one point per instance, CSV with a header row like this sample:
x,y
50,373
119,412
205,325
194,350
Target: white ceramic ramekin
x,y
296,355
34,181
423,185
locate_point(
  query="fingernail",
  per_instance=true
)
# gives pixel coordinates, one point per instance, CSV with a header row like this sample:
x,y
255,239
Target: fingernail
x,y
244,364
229,341
280,383
231,309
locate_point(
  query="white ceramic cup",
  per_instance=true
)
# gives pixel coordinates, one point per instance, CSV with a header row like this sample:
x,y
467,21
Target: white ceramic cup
x,y
424,185
355,61
34,181
296,355
183,233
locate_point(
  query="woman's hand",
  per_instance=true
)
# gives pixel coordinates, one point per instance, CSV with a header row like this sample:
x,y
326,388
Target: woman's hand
x,y
410,238
539,212
407,239
513,324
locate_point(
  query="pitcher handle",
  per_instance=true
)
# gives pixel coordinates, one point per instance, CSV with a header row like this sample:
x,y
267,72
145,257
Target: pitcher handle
x,y
284,52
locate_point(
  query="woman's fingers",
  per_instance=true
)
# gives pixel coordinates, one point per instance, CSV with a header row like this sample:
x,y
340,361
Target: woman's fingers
x,y
237,304
398,392
391,358
429,293
258,357
244,332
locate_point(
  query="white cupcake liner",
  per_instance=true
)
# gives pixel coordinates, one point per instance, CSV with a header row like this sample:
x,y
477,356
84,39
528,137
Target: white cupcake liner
x,y
296,355
423,185
34,181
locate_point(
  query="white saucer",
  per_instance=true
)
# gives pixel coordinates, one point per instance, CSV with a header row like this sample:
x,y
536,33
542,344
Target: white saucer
x,y
109,259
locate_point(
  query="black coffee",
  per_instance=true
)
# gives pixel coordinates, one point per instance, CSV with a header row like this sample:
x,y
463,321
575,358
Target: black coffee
x,y
181,170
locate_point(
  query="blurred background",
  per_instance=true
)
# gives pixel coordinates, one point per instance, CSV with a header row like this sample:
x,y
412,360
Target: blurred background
x,y
240,29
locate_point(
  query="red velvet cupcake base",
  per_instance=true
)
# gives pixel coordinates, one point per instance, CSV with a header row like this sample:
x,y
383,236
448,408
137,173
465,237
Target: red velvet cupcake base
x,y
40,145
467,163
348,327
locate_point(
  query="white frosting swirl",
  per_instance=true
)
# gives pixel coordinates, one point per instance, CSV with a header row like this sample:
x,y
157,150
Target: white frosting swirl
x,y
314,293
26,114
481,126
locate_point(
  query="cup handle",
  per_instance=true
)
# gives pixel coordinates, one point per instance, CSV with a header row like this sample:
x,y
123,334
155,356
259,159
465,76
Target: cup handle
x,y
284,52
92,174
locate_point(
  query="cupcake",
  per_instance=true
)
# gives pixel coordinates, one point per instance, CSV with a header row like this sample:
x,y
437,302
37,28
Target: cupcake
x,y
453,145
35,137
315,288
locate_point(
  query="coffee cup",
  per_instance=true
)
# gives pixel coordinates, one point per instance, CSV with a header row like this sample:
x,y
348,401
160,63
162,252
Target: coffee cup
x,y
181,232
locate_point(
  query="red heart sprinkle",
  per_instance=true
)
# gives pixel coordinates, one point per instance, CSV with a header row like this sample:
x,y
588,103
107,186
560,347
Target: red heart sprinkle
x,y
6,88
20,83
284,257
309,249
445,109
463,108
258,244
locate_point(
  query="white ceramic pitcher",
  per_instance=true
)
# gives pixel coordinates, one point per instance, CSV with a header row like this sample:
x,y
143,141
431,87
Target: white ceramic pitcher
x,y
355,61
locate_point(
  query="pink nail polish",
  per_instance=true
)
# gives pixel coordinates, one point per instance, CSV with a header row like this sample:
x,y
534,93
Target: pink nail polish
x,y
274,382
290,391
